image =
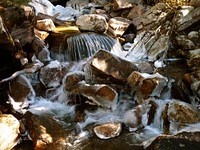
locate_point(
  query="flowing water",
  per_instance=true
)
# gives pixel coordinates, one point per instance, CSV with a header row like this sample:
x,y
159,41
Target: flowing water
x,y
84,45
80,135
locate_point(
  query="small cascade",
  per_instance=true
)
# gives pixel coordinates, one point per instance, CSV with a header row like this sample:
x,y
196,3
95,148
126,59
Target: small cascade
x,y
85,45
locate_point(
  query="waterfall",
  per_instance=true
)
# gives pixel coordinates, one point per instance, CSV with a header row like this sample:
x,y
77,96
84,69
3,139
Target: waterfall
x,y
84,45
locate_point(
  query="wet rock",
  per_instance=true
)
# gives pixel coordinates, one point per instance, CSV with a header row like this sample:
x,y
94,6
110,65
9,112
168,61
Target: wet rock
x,y
72,79
45,25
51,75
173,115
145,67
181,114
108,130
183,140
92,22
40,49
21,91
9,130
111,67
186,17
158,48
118,25
185,43
45,132
99,94
146,85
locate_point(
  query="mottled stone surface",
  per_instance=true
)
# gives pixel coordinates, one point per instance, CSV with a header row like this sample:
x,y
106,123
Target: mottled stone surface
x,y
9,131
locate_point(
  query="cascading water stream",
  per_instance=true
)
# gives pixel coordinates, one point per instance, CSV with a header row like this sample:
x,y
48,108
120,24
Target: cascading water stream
x,y
84,45
76,49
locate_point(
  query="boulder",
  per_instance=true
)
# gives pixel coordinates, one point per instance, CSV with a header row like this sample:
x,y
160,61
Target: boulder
x,y
183,140
123,4
118,25
9,131
186,17
46,133
99,94
51,75
45,25
108,130
109,66
92,22
21,91
146,85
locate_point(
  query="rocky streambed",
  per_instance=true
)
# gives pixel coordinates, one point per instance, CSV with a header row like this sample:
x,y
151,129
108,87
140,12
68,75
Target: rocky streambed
x,y
100,75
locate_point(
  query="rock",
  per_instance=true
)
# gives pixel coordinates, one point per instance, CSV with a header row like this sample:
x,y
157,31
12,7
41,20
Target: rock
x,y
108,130
181,114
123,4
72,79
99,94
111,67
9,131
146,85
41,50
92,22
160,46
45,25
186,17
45,132
51,75
136,12
41,34
183,140
194,60
21,91
173,115
118,25
153,15
185,43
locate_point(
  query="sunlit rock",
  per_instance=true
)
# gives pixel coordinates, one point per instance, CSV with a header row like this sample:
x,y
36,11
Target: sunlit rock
x,y
51,75
123,4
146,85
45,132
98,94
108,130
111,67
92,22
21,91
9,131
118,25
181,114
41,34
45,25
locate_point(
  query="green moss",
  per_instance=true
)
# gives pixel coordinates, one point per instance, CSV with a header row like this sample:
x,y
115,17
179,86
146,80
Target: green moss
x,y
9,3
